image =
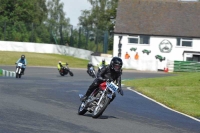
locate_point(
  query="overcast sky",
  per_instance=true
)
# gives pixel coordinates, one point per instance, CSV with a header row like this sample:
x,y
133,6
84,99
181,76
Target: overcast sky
x,y
73,9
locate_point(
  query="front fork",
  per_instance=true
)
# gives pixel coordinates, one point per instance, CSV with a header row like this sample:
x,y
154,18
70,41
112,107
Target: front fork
x,y
102,96
18,70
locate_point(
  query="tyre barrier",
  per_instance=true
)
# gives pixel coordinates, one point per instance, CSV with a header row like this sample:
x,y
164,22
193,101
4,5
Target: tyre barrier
x,y
6,73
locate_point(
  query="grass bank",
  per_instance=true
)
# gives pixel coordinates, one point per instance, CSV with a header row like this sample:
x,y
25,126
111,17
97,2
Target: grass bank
x,y
1,72
180,92
38,59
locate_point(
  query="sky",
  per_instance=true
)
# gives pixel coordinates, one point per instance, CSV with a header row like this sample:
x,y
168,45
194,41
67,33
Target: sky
x,y
73,8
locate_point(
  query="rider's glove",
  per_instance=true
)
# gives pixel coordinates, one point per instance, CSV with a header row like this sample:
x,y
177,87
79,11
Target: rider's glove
x,y
110,80
102,79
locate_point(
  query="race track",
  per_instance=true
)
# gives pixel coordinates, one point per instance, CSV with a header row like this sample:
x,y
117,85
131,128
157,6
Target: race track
x,y
44,102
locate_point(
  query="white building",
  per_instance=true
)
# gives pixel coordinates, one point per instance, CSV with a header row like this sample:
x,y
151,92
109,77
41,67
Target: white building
x,y
158,30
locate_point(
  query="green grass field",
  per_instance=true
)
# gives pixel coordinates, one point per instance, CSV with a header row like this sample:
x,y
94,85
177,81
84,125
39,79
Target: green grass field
x,y
180,92
38,59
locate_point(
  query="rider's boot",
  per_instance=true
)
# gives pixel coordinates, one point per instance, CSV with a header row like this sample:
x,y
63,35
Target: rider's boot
x,y
85,97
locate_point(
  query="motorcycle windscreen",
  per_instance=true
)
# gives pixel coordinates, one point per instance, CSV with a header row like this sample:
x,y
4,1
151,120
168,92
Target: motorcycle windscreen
x,y
102,86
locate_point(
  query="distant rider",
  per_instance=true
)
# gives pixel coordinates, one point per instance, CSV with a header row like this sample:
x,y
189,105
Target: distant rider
x,y
101,65
61,65
89,65
22,60
112,72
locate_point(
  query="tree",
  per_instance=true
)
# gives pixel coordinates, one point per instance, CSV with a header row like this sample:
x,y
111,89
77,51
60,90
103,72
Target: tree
x,y
56,20
99,17
17,18
29,11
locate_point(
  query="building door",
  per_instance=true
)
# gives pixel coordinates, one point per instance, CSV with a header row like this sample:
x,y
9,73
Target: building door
x,y
196,58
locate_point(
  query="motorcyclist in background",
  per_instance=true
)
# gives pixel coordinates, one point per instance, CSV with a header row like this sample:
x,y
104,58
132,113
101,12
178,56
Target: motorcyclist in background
x,y
22,60
61,64
110,72
101,65
88,66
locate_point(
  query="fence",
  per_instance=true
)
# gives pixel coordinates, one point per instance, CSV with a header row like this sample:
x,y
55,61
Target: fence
x,y
183,66
78,37
7,73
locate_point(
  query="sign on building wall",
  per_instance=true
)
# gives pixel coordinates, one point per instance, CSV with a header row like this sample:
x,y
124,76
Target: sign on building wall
x,y
165,46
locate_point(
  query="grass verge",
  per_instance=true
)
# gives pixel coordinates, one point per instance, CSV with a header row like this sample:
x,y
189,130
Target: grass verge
x,y
1,72
180,92
39,59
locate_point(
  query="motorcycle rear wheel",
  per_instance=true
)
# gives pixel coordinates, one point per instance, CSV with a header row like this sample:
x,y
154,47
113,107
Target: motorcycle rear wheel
x,y
98,111
61,74
81,110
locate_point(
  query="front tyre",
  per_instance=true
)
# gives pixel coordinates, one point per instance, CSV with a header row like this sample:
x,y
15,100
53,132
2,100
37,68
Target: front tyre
x,y
70,73
81,109
98,111
17,75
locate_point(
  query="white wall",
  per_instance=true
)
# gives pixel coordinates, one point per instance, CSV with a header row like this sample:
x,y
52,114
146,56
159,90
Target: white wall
x,y
175,54
45,48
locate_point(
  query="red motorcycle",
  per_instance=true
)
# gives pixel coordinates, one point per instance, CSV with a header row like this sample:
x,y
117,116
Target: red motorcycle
x,y
99,99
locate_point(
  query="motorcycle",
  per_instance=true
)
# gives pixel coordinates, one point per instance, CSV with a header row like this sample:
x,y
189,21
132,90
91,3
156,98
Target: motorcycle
x,y
92,72
99,99
18,70
65,70
100,67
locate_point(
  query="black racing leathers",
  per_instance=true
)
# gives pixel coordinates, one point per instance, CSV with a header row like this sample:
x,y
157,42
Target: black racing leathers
x,y
105,73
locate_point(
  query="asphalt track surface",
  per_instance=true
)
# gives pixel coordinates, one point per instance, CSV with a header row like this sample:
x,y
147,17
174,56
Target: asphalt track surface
x,y
44,102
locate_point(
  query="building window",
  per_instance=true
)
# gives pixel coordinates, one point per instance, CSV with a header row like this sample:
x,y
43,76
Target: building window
x,y
139,39
133,39
184,42
144,39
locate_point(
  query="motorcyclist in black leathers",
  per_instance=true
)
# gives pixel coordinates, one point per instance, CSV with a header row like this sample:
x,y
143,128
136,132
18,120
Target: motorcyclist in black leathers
x,y
111,72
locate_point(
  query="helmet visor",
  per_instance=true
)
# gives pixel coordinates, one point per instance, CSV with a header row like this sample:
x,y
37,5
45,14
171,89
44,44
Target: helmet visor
x,y
116,67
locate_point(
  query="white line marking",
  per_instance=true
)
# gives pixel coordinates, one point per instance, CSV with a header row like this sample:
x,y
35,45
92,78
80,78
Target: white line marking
x,y
129,88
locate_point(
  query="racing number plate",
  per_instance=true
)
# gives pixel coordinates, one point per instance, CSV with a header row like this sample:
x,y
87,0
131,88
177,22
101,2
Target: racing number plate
x,y
112,87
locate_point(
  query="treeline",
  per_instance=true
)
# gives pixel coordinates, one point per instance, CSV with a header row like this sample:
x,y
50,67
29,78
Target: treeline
x,y
101,16
44,21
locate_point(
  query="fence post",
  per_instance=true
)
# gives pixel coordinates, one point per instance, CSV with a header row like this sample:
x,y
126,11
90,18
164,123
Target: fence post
x,y
71,37
54,37
105,40
87,36
5,31
79,37
32,32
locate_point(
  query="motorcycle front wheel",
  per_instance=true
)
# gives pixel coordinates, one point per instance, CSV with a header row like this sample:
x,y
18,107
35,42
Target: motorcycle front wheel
x,y
81,109
71,73
98,111
17,75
